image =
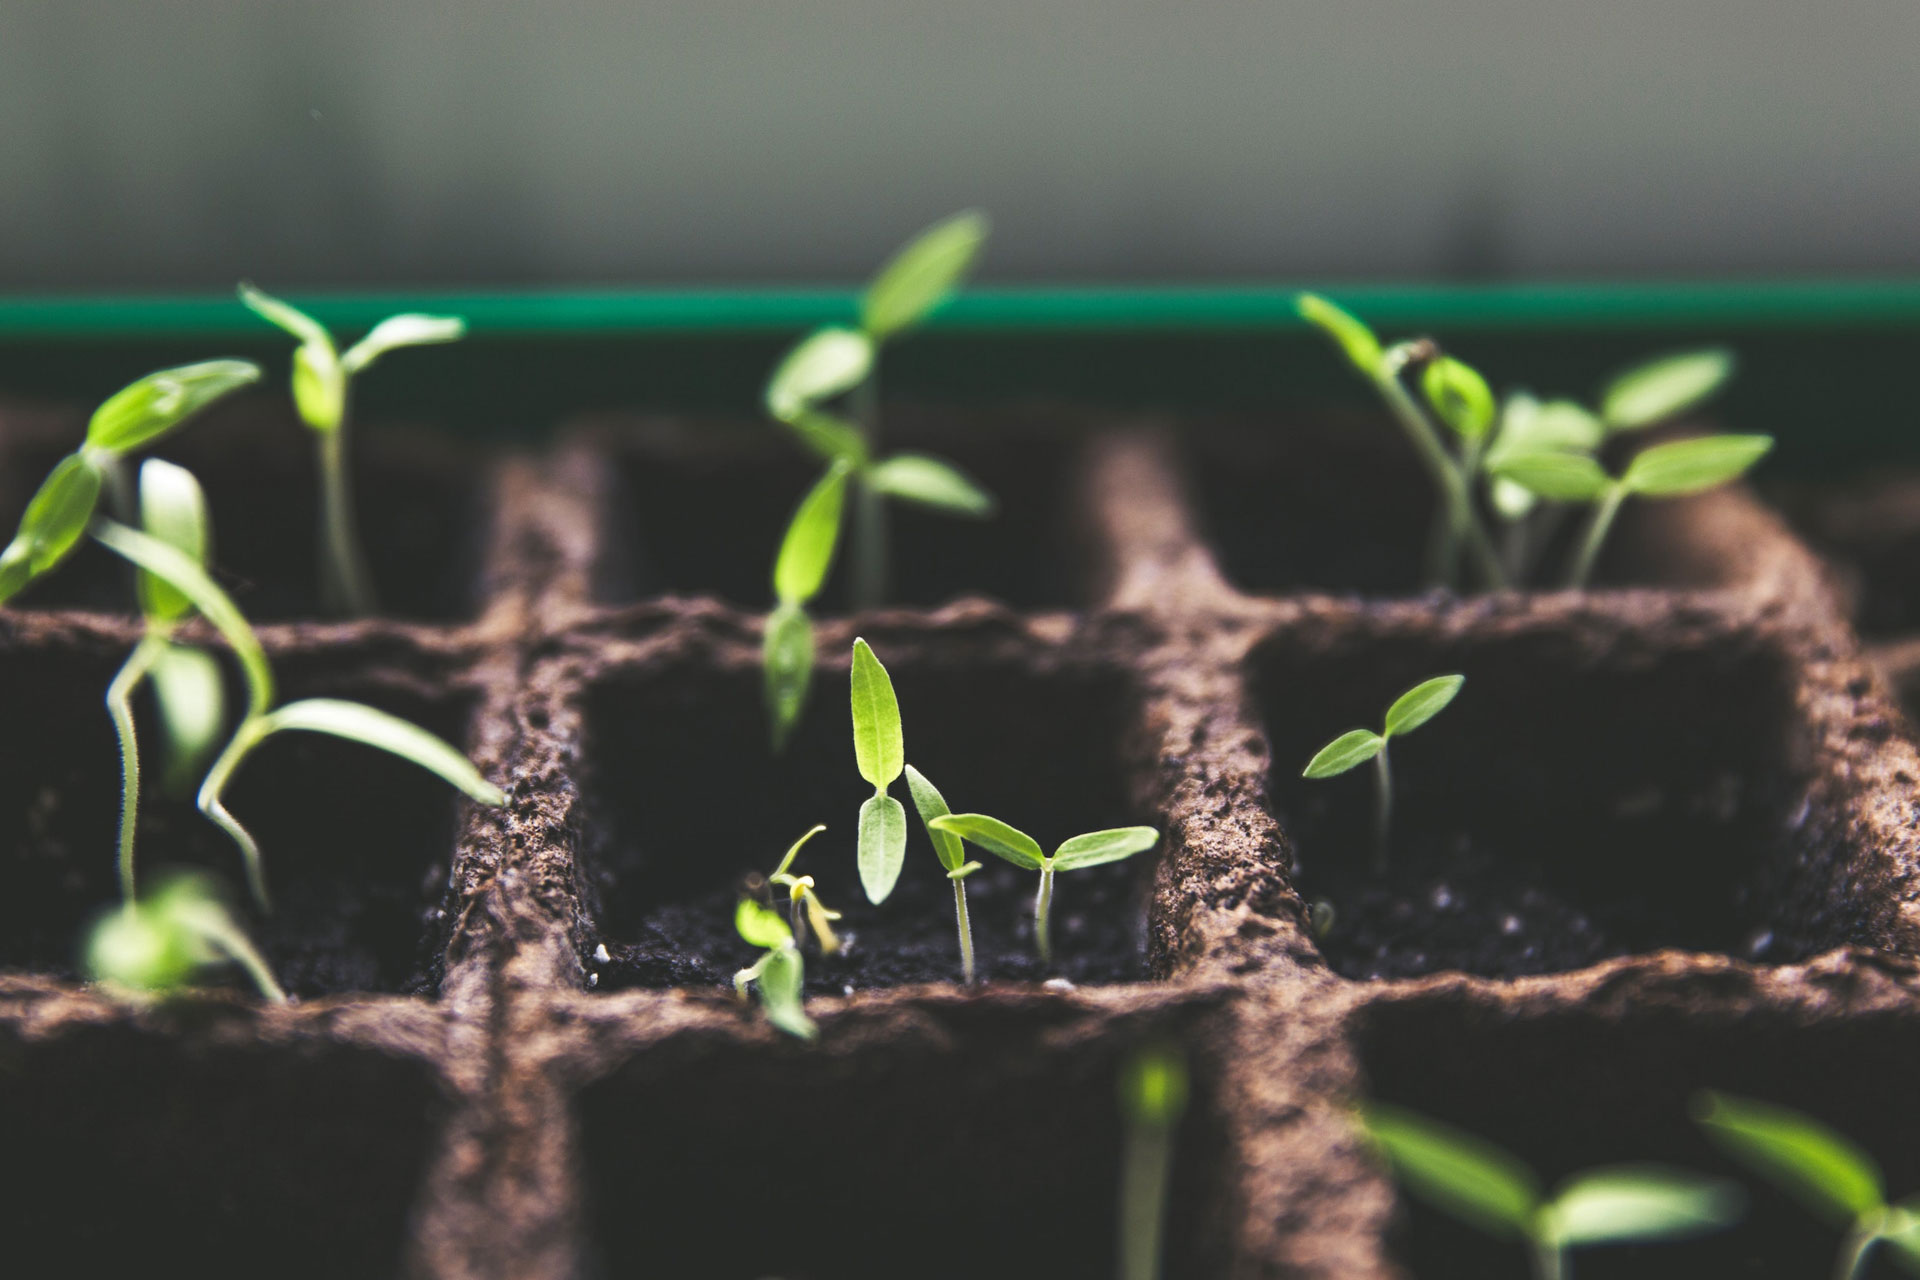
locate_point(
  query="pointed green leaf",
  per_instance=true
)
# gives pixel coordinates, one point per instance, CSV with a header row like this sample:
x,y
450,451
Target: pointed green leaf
x,y
1689,466
786,661
1640,1202
780,994
824,364
402,331
1348,751
806,552
1354,337
192,701
1564,477
793,850
996,837
879,748
883,845
832,438
56,517
1468,1177
1460,397
1421,703
1812,1163
174,510
369,725
921,275
931,804
141,413
930,482
761,926
1664,388
284,314
1097,847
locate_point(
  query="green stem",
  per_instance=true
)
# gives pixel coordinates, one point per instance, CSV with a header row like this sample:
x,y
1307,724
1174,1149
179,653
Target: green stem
x,y
120,706
1382,810
1454,492
1601,521
745,976
1042,908
239,948
966,930
869,582
797,919
212,803
345,585
1549,1261
1856,1248
1143,1199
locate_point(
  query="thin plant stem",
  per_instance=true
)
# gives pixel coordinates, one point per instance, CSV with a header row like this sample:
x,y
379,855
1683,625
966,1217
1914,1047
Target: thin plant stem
x,y
1454,492
120,706
1856,1249
345,584
1601,521
1144,1174
212,803
1549,1261
965,927
747,975
242,951
1382,810
797,918
1042,908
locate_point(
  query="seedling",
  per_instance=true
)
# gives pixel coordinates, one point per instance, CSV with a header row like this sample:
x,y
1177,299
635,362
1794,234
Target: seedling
x,y
1357,746
1488,1188
879,751
322,390
1831,1177
778,972
162,943
930,804
1153,1097
1022,850
804,907
806,554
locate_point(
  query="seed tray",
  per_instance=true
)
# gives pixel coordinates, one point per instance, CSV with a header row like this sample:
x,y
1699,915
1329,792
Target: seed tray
x,y
1664,841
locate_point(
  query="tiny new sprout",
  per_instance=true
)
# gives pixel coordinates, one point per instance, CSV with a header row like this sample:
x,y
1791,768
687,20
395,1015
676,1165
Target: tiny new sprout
x,y
1153,1096
778,972
1357,746
1831,1177
1022,850
163,942
931,805
1486,1187
803,904
322,386
879,751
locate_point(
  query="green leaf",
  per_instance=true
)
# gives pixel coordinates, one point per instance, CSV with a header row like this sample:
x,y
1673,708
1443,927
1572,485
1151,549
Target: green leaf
x,y
761,926
1554,426
1564,477
931,804
806,552
822,365
56,517
287,316
1362,348
1804,1158
1664,388
996,837
1350,750
1640,1202
830,437
921,275
174,510
1512,501
1460,397
793,850
1472,1179
410,330
1689,466
192,701
161,942
786,661
1421,703
1097,847
1153,1086
358,722
319,387
146,410
780,993
1902,1234
930,482
879,748
883,845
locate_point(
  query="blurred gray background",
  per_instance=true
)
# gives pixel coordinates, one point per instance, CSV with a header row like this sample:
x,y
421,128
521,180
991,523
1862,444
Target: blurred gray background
x,y
184,143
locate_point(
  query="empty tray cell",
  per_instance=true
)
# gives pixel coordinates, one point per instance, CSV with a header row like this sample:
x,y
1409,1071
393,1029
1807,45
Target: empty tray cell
x,y
223,1156
702,508
990,1147
418,499
356,843
1595,789
1568,1087
685,800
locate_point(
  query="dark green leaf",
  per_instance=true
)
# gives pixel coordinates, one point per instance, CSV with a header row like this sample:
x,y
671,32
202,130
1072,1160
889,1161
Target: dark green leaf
x,y
174,510
1689,466
143,412
931,804
1096,847
1351,749
1362,348
883,845
824,364
1640,1202
1460,397
919,277
996,837
1664,388
1468,1177
1564,477
1421,703
786,660
806,552
879,748
930,482
761,926
1804,1158
375,728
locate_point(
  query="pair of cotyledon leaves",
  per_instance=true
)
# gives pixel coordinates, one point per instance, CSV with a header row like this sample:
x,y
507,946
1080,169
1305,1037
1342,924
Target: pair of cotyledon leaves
x,y
1409,711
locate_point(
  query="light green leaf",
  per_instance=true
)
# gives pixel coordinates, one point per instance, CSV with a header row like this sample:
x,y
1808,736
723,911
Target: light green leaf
x,y
1470,1178
806,552
919,277
1804,1158
824,364
780,994
786,660
284,314
830,437
1097,847
793,850
1354,337
1664,388
1460,397
879,748
1421,703
1640,1202
394,332
192,701
883,845
996,837
1564,477
319,387
1555,426
931,804
358,722
1902,1234
146,410
174,510
1690,466
1512,501
1350,750
57,515
160,943
1153,1086
930,482
761,926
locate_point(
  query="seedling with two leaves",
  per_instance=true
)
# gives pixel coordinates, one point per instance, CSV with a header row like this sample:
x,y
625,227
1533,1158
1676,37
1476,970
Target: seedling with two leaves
x,y
779,971
1488,1188
1357,746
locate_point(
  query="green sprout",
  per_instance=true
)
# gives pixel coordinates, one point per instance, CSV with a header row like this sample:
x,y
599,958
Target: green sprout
x,y
1022,850
804,907
778,972
806,554
322,387
163,942
1486,1187
1831,1177
1153,1097
879,751
1357,746
931,805
58,515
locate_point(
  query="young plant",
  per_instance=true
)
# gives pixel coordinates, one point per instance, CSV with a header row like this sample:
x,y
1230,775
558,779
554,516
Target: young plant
x,y
799,571
1357,746
162,943
803,904
1486,1187
879,751
930,804
1831,1177
1153,1097
322,390
778,972
1022,850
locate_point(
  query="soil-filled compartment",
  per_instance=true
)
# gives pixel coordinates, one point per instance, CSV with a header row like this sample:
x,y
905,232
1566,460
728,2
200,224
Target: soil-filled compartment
x,y
136,1150
685,800
969,1141
700,508
1869,528
417,495
1579,799
356,843
1567,1088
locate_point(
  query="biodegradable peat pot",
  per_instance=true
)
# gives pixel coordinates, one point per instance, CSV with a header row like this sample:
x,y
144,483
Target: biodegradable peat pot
x,y
1664,840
